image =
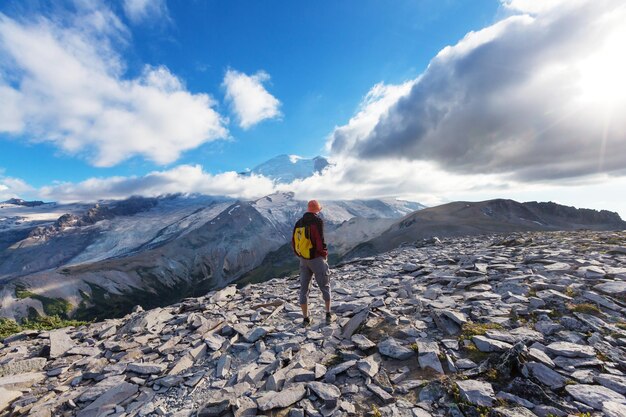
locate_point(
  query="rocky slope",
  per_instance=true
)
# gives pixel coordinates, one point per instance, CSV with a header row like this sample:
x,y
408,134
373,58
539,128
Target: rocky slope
x,y
493,216
530,324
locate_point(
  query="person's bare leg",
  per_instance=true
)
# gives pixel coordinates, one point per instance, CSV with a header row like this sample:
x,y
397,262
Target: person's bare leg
x,y
305,310
327,306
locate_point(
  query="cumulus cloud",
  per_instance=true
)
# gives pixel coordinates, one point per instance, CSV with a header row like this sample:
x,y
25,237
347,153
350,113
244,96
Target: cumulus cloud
x,y
139,11
12,187
180,179
539,95
349,178
249,99
62,81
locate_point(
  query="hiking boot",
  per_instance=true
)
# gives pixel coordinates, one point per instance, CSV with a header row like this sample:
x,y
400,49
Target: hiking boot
x,y
329,317
306,322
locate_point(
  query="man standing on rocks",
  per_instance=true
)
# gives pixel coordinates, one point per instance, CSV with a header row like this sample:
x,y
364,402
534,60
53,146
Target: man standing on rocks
x,y
308,243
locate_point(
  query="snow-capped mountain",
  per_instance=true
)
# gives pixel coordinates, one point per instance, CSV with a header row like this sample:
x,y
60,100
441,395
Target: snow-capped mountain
x,y
104,258
287,168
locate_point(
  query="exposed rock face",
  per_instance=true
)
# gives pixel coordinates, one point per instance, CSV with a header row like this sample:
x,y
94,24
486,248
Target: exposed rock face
x,y
244,352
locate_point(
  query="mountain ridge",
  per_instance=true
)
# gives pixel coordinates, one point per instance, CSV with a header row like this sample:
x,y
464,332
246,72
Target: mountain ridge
x,y
490,216
187,244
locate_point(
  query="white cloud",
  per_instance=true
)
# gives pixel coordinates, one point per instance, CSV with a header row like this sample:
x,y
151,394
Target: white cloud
x,y
249,99
180,179
63,82
537,96
139,11
345,179
13,187
374,105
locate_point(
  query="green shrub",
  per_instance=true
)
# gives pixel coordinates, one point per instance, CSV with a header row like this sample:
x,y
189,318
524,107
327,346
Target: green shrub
x,y
9,327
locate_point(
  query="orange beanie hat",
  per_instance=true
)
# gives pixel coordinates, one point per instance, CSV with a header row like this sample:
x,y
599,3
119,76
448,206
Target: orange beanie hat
x,y
314,206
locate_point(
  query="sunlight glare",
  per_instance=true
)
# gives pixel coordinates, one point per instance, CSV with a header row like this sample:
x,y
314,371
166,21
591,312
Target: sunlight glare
x,y
603,74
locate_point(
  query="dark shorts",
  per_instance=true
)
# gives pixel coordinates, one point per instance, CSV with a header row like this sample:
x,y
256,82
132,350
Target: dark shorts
x,y
318,267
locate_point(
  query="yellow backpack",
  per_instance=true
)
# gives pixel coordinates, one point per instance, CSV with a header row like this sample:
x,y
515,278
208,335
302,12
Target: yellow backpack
x,y
302,242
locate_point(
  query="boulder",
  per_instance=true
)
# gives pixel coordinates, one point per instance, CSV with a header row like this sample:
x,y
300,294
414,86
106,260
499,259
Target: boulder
x,y
594,395
272,399
392,348
476,392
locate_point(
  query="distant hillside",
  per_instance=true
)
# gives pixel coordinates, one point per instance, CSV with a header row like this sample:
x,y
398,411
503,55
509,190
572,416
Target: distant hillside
x,y
492,216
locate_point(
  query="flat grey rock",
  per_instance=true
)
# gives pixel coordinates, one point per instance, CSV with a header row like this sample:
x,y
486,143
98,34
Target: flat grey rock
x,y
392,348
254,334
354,323
615,382
369,365
101,387
575,363
510,398
332,373
21,381
409,267
545,375
612,288
7,397
484,344
146,368
594,395
329,393
107,402
362,342
271,400
600,300
514,412
613,409
430,360
476,392
571,350
22,366
383,395
465,364
60,343
223,366
540,356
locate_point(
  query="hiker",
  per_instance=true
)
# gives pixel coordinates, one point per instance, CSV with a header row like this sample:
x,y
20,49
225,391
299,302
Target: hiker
x,y
308,243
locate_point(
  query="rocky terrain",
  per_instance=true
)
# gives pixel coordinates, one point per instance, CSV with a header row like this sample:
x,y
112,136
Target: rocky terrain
x,y
495,325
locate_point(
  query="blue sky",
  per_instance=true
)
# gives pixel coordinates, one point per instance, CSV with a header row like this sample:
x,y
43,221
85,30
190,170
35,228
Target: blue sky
x,y
425,100
322,58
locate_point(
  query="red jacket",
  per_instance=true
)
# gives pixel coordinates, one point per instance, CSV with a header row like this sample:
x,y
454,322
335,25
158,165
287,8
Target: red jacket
x,y
316,227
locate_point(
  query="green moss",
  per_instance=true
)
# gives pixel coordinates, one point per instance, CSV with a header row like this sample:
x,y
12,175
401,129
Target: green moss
x,y
586,308
470,329
491,374
376,412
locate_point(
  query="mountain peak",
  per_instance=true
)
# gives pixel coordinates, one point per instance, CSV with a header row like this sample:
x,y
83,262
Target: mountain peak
x,y
287,168
20,202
